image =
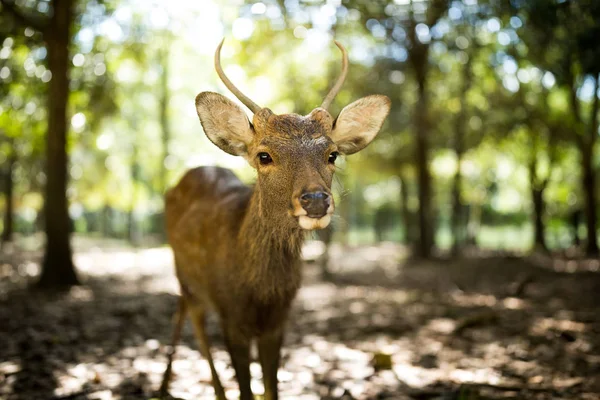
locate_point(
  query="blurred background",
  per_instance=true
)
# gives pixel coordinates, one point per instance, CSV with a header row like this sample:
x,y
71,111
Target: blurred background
x,y
490,147
490,142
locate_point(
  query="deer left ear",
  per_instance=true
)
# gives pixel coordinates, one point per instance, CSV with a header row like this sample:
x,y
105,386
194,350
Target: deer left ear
x,y
224,123
359,122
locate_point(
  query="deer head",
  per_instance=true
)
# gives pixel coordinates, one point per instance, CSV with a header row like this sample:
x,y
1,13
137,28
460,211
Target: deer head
x,y
294,155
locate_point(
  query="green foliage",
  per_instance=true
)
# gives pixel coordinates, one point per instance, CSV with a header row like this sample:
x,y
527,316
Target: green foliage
x,y
498,71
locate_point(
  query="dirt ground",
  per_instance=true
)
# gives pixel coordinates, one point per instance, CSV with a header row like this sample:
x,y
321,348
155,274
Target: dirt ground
x,y
385,327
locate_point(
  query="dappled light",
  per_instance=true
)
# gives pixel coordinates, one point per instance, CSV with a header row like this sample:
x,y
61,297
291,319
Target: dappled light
x,y
299,199
427,330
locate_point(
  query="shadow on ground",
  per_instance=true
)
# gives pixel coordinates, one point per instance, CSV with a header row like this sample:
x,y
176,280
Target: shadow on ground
x,y
383,328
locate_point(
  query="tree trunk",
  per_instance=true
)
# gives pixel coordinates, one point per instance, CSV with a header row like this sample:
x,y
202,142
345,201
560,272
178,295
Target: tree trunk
x,y
163,111
575,220
537,189
589,178
419,61
57,267
409,235
424,176
9,182
586,148
457,208
459,148
133,234
589,190
163,105
130,234
106,221
473,224
537,197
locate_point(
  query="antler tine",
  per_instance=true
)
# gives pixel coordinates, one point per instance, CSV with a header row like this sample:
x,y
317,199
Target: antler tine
x,y
338,85
242,97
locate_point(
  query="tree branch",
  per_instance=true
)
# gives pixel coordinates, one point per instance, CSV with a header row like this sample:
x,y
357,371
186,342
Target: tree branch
x,y
36,22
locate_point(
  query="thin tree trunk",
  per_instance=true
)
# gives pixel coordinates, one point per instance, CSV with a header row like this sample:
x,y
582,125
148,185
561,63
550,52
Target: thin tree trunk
x,y
537,189
459,148
575,220
424,176
57,267
537,196
589,188
537,199
473,224
419,61
7,233
589,178
457,207
586,148
409,236
132,227
163,105
163,111
106,221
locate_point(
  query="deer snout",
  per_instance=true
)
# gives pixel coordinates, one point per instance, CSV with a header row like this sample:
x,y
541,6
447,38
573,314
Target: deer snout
x,y
316,204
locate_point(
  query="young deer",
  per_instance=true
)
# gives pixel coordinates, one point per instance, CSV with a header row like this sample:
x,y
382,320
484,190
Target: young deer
x,y
237,248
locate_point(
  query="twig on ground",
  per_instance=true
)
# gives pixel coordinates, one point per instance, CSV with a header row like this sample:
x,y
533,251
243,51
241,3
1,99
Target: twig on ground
x,y
517,289
480,319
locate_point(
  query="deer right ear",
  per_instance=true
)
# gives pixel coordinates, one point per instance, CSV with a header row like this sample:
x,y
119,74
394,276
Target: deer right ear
x,y
359,122
225,123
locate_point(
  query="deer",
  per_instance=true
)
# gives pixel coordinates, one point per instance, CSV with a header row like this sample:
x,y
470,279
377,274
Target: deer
x,y
237,248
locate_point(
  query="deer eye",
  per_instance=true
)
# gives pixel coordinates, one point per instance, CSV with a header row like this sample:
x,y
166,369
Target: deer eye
x,y
264,158
333,156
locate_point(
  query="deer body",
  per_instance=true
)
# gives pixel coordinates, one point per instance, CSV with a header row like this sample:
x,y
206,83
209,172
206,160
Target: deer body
x,y
237,248
227,257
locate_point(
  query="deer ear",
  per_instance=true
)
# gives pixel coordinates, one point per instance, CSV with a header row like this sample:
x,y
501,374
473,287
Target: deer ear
x,y
358,123
225,123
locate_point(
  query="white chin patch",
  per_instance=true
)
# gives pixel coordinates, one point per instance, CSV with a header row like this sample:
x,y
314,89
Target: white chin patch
x,y
314,223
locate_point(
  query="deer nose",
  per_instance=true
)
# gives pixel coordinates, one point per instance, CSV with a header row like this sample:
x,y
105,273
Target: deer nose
x,y
315,203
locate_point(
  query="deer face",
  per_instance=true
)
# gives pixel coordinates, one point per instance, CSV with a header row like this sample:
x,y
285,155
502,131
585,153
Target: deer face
x,y
294,155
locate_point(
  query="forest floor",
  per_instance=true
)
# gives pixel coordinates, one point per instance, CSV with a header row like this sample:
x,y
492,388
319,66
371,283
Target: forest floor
x,y
486,326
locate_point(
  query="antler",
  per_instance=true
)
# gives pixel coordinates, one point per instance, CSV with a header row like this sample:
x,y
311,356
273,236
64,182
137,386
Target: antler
x,y
338,85
243,98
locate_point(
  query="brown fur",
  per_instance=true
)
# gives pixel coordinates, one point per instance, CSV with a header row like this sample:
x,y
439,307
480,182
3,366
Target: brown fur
x,y
227,254
237,248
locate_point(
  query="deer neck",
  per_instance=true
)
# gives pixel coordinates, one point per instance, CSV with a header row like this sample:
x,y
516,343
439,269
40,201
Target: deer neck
x,y
270,248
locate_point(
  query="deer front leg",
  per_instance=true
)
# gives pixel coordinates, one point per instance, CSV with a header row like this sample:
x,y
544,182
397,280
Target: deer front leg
x,y
179,319
269,352
239,350
198,317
